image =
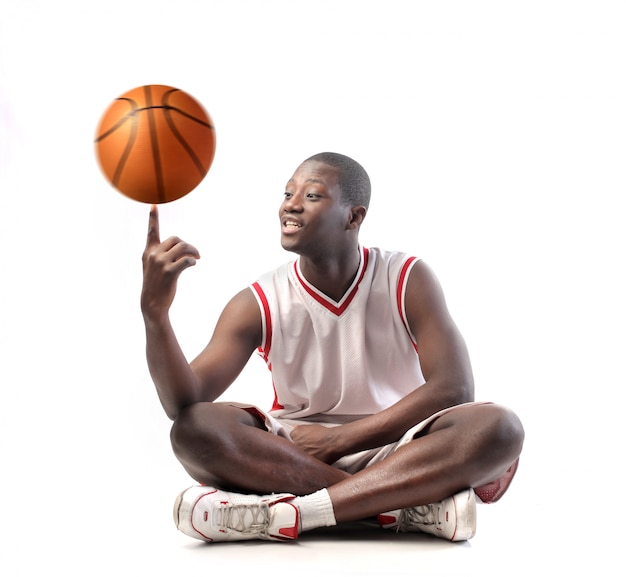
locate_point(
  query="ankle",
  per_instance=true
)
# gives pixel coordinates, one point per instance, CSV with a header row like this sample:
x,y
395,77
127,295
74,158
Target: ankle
x,y
316,510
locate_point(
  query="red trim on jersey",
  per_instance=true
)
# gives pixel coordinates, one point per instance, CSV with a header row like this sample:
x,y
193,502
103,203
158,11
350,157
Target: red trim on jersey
x,y
400,291
324,300
265,348
276,404
267,345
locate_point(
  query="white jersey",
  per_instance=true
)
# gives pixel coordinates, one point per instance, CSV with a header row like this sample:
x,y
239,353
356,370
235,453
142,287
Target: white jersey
x,y
339,360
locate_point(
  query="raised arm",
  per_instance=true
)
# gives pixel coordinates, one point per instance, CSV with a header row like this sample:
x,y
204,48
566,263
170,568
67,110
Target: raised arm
x,y
237,333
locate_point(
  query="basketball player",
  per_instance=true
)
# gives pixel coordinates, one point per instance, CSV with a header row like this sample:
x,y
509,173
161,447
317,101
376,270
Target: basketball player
x,y
374,415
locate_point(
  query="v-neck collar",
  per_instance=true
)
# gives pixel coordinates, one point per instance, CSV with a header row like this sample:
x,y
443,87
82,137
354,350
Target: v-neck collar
x,y
333,306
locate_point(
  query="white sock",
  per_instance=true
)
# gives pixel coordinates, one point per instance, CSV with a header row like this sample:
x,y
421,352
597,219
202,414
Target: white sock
x,y
316,510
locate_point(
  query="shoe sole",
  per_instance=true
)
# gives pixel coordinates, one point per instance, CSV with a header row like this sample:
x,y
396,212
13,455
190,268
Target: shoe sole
x,y
465,511
177,505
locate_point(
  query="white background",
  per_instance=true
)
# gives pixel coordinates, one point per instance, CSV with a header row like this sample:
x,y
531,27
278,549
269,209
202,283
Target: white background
x,y
495,136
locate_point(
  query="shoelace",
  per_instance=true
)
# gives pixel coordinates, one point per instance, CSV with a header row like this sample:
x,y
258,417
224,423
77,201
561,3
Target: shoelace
x,y
236,518
423,515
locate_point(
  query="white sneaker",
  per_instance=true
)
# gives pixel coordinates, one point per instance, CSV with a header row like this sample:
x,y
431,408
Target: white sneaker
x,y
210,514
453,518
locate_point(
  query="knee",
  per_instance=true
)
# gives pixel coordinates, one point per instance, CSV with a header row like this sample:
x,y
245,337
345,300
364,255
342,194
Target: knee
x,y
188,427
504,432
207,428
180,430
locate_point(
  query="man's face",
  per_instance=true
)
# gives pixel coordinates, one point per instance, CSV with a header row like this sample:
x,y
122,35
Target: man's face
x,y
312,214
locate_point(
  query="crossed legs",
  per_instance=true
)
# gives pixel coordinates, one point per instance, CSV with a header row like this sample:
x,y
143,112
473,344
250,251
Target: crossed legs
x,y
228,447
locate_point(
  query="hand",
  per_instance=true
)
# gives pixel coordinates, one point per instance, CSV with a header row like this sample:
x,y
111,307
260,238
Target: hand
x,y
163,262
318,441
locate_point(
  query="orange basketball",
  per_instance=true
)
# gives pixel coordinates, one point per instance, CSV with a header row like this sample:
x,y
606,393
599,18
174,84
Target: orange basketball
x,y
155,143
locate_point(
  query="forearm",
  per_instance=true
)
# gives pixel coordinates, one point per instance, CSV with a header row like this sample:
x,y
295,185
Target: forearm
x,y
389,425
176,384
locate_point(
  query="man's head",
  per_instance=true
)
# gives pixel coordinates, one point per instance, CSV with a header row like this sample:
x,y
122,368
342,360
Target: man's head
x,y
351,176
324,204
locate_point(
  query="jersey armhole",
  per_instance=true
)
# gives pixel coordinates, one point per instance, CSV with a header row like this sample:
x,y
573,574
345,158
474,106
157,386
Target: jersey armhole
x,y
401,296
266,319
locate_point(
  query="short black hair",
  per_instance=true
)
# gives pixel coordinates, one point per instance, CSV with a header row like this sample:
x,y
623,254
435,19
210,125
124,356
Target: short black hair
x,y
354,181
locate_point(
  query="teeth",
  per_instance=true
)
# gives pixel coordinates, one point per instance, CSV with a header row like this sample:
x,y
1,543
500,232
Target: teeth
x,y
292,224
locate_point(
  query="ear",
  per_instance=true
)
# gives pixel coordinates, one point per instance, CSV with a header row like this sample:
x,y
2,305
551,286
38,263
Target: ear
x,y
357,214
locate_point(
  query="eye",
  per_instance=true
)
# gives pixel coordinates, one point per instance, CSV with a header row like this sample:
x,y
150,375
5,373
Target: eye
x,y
288,194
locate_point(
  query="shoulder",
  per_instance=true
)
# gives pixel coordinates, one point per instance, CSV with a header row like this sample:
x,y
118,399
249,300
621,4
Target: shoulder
x,y
424,295
394,264
422,278
377,254
270,276
242,307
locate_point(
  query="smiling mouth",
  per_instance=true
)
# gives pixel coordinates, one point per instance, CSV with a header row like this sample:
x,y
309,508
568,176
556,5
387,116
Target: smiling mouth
x,y
291,225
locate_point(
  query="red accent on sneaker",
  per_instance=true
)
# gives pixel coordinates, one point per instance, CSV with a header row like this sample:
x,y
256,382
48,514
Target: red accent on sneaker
x,y
491,492
386,519
291,532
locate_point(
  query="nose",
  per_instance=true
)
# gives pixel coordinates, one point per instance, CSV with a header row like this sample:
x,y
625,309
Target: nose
x,y
292,203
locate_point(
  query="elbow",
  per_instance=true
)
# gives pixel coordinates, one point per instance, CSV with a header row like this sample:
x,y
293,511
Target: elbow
x,y
174,410
464,391
171,409
458,392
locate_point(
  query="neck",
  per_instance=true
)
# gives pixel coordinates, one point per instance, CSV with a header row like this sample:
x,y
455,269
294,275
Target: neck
x,y
332,276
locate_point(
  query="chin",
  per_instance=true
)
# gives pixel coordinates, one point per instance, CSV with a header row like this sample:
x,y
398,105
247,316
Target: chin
x,y
288,246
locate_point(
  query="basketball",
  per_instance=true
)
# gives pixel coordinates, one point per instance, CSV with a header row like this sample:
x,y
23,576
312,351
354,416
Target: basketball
x,y
155,143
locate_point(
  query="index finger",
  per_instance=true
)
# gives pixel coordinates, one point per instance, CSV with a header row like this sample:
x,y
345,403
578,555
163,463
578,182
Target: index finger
x,y
153,226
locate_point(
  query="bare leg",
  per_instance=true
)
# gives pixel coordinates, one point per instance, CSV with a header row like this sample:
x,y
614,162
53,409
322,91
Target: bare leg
x,y
222,445
468,447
